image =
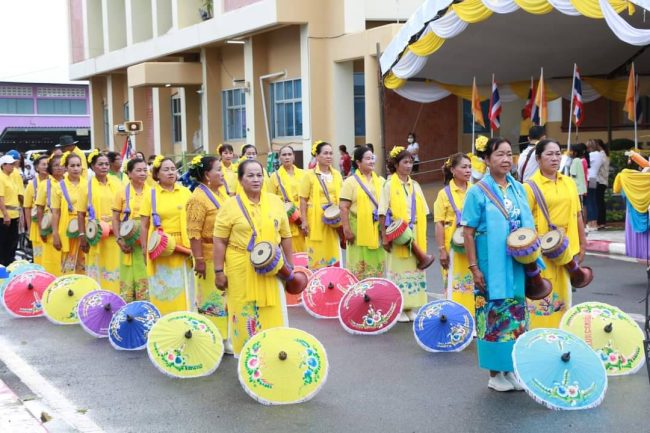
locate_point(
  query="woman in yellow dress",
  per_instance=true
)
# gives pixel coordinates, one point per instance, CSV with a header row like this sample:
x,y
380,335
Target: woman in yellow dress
x,y
64,210
560,194
286,183
320,189
96,202
359,215
400,196
228,168
171,285
447,209
202,210
134,284
51,259
255,301
477,159
249,152
40,166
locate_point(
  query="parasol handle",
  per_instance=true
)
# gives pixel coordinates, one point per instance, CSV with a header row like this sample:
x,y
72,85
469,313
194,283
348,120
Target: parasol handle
x,y
188,334
129,318
30,286
108,307
70,292
443,318
282,355
330,285
366,298
566,357
609,328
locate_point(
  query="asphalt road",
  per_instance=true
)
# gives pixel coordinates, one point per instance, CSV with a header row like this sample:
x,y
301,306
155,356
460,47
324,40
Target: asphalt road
x,y
376,384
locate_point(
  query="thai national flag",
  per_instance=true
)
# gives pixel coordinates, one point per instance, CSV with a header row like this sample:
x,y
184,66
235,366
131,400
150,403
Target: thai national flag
x,y
495,106
127,149
578,106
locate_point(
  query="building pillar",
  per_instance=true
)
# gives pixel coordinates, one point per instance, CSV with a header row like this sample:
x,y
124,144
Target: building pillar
x,y
249,77
305,82
343,99
211,119
140,109
191,109
115,89
97,87
162,117
373,119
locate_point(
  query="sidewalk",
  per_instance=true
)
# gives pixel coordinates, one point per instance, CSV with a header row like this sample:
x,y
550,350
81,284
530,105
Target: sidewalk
x,y
606,242
14,416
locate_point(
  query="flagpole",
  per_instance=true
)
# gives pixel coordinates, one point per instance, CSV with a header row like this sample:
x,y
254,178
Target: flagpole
x,y
573,83
473,116
491,102
541,99
636,80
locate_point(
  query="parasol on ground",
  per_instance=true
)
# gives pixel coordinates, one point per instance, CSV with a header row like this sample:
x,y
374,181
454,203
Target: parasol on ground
x,y
20,268
185,345
370,307
96,309
24,292
616,338
559,370
282,366
324,291
15,264
443,326
62,296
131,324
300,263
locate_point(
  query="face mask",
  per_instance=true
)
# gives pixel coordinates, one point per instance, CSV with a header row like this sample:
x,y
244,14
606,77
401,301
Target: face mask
x,y
410,140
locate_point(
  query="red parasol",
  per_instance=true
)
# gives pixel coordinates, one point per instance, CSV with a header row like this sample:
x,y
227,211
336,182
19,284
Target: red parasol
x,y
324,291
22,297
370,307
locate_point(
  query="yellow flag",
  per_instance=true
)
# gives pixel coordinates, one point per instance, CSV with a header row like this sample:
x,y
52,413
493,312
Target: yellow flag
x,y
476,106
630,96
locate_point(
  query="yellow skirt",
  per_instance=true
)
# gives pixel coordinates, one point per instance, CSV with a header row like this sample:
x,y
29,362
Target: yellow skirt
x,y
458,281
171,286
325,252
37,243
548,312
103,264
51,258
246,318
211,302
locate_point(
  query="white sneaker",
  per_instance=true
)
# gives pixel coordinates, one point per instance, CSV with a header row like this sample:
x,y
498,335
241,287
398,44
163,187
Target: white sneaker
x,y
412,314
514,380
403,317
227,347
500,383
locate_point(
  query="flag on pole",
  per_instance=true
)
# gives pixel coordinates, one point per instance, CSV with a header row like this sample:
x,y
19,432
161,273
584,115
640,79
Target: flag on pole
x,y
540,108
495,106
477,113
127,149
630,96
528,108
576,95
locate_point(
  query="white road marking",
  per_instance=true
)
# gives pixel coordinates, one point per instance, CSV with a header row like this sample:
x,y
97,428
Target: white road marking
x,y
63,408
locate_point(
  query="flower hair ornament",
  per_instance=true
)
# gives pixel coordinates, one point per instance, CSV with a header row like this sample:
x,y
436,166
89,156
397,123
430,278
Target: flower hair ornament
x,y
481,143
314,147
35,156
219,148
158,160
447,163
396,151
196,161
64,158
92,155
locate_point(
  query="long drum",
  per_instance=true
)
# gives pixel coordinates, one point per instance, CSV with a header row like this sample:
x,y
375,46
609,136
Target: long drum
x,y
399,232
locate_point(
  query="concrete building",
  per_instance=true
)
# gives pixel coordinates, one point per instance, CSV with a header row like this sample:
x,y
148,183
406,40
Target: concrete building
x,y
266,72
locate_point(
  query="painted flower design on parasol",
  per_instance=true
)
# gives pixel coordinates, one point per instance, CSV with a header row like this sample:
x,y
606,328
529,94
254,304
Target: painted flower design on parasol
x,y
174,359
566,391
254,366
615,361
375,318
311,362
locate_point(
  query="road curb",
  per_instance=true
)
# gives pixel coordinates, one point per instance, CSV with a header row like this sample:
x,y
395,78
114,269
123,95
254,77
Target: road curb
x,y
15,417
607,247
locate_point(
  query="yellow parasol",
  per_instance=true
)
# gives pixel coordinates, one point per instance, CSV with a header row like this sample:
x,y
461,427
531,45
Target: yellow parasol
x,y
62,296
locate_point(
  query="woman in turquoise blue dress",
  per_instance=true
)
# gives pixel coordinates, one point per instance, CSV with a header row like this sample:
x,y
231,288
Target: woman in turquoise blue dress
x,y
501,315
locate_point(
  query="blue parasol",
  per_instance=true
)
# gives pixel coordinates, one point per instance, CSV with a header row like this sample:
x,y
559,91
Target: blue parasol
x,y
130,326
559,370
443,326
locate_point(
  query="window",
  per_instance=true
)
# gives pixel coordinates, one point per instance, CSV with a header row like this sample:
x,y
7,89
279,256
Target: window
x,y
467,117
234,114
61,106
286,108
108,129
177,120
359,105
16,106
125,111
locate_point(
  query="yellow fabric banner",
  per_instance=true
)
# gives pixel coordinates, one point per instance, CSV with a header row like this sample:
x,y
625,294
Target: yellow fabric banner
x,y
426,45
537,7
393,82
472,11
635,185
591,8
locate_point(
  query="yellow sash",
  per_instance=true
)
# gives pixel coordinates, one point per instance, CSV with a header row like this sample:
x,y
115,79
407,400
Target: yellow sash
x,y
635,184
367,229
318,199
65,215
263,290
400,203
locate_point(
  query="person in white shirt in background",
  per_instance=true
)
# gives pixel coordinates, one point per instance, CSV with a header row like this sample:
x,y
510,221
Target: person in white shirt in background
x,y
414,149
527,163
596,159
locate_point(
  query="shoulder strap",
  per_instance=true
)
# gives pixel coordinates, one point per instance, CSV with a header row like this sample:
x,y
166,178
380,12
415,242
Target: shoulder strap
x,y
366,190
127,201
489,193
66,195
541,202
523,169
251,243
284,192
324,187
154,211
453,204
209,194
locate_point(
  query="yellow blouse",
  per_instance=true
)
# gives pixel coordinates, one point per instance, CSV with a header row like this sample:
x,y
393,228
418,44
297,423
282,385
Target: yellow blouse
x,y
384,199
103,195
169,204
18,180
232,224
60,202
350,188
201,213
9,192
333,183
135,201
30,193
230,176
41,195
563,204
444,213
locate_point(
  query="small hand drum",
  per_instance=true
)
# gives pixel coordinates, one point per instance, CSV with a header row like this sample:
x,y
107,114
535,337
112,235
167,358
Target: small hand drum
x,y
46,224
555,247
524,245
265,258
93,232
399,232
292,213
332,216
130,232
458,241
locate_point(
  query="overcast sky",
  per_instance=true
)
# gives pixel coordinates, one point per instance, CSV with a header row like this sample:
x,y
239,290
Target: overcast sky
x,y
34,41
